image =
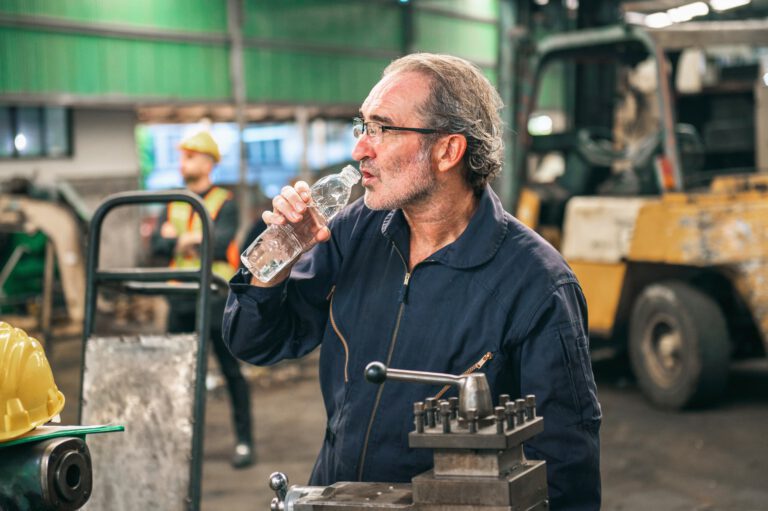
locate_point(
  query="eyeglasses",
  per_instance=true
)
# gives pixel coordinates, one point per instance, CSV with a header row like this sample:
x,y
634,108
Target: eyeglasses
x,y
375,129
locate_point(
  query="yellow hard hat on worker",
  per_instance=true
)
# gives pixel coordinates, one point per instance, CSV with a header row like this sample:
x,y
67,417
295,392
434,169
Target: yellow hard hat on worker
x,y
202,142
28,395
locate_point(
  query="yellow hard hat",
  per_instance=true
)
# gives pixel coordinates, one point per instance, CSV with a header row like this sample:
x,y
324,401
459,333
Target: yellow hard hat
x,y
202,142
28,395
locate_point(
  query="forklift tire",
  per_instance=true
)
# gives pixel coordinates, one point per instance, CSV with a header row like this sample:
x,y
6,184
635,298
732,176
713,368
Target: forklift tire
x,y
678,345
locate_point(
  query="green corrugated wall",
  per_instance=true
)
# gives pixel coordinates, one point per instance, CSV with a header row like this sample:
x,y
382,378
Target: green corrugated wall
x,y
188,15
295,51
41,62
353,24
319,53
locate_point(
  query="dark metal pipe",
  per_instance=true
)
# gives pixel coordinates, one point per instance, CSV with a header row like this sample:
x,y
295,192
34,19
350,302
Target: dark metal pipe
x,y
53,474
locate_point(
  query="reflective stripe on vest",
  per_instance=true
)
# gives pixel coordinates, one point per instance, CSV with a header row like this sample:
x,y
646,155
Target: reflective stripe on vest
x,y
184,219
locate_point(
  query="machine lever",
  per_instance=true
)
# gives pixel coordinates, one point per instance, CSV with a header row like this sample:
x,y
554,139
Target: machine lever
x,y
474,392
278,482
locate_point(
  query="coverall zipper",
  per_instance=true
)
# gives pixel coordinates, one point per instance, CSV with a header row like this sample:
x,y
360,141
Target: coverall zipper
x,y
474,367
403,297
341,337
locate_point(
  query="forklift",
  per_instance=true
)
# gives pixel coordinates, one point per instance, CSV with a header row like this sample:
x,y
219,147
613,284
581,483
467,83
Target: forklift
x,y
642,155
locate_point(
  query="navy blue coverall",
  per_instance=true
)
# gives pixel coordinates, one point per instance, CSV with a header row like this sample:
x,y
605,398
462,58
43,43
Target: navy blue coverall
x,y
499,293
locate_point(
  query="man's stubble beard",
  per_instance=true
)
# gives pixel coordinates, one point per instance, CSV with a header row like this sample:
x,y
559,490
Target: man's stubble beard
x,y
420,188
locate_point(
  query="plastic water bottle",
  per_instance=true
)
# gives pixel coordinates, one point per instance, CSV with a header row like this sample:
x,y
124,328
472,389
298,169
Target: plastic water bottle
x,y
279,245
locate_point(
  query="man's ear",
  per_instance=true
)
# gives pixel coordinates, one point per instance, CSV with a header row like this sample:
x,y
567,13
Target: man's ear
x,y
210,163
449,151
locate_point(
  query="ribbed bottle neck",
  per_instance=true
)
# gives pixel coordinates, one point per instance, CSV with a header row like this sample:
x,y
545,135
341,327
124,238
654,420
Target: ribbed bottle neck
x,y
350,175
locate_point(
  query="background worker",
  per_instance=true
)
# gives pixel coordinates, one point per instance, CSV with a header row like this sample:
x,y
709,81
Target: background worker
x,y
178,236
428,272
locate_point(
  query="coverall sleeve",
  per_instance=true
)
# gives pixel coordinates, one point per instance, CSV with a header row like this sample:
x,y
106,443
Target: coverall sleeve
x,y
555,366
265,325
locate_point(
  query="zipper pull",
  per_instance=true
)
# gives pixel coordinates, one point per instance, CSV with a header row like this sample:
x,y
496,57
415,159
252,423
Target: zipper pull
x,y
480,363
474,367
404,290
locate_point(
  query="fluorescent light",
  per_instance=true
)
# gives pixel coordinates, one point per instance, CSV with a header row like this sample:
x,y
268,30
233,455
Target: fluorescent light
x,y
20,142
724,5
688,12
540,125
542,2
658,20
634,18
765,79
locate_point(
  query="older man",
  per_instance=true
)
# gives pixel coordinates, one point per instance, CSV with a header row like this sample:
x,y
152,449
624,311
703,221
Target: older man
x,y
427,272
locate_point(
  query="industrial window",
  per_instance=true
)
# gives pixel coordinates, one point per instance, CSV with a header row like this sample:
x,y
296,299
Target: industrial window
x,y
265,152
35,132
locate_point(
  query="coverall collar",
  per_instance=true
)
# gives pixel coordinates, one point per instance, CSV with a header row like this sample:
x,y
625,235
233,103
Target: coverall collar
x,y
475,246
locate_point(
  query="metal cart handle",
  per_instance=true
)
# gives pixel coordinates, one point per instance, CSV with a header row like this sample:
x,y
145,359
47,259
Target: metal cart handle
x,y
156,278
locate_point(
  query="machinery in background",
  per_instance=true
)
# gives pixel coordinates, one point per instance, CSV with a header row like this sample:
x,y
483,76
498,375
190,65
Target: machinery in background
x,y
478,456
41,256
644,161
51,474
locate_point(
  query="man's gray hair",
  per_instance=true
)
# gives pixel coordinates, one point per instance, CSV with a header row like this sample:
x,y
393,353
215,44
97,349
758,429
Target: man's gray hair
x,y
462,101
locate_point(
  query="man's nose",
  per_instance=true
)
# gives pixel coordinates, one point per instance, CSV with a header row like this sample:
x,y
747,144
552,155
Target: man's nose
x,y
363,148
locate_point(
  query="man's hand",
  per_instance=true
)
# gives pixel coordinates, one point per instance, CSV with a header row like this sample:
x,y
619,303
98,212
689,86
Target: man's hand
x,y
188,243
168,231
289,207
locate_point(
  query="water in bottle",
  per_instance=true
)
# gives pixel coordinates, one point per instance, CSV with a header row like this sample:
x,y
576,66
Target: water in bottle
x,y
280,245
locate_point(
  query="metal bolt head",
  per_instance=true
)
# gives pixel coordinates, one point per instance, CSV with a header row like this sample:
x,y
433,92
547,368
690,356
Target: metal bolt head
x,y
430,407
498,414
454,406
445,413
510,410
418,415
520,408
530,407
472,420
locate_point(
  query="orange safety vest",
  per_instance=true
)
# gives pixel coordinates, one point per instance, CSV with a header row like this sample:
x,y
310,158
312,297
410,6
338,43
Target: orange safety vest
x,y
184,219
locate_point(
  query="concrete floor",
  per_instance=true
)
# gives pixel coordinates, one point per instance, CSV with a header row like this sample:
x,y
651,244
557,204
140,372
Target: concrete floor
x,y
714,459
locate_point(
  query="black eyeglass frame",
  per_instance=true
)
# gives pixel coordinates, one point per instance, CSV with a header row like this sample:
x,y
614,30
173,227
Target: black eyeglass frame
x,y
357,121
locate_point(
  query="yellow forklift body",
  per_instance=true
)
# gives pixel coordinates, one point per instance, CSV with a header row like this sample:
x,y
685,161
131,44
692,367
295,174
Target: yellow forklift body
x,y
602,284
725,227
702,230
